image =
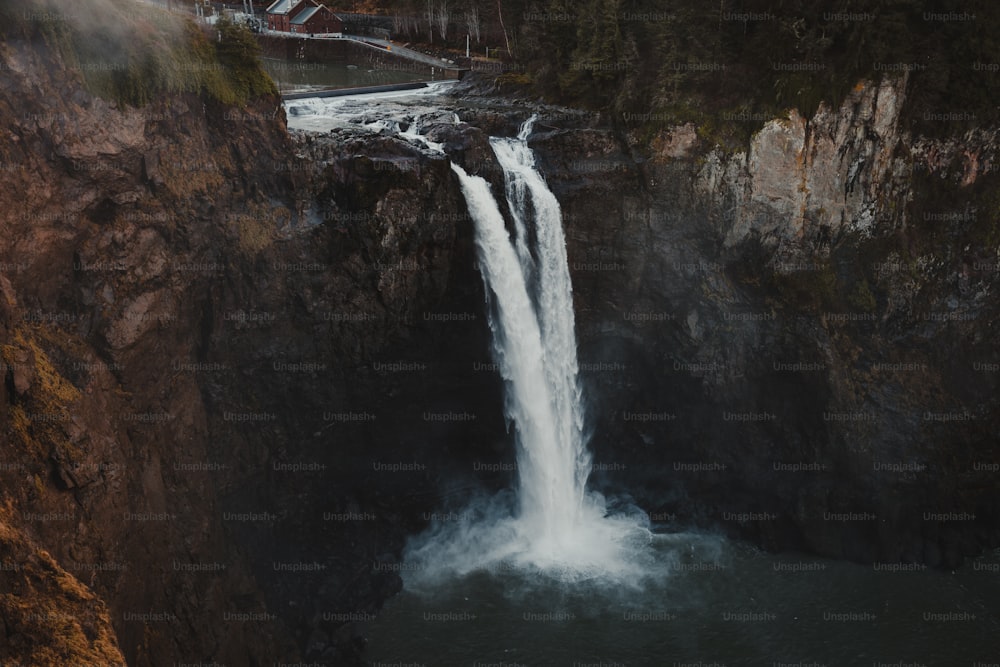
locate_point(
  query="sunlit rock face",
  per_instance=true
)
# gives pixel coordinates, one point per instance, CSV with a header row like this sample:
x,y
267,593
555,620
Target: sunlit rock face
x,y
806,180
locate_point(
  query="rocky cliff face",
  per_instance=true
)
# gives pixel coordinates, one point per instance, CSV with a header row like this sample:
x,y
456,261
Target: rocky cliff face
x,y
212,338
110,218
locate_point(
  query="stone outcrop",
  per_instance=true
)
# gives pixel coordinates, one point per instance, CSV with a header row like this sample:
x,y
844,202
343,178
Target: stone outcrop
x,y
805,181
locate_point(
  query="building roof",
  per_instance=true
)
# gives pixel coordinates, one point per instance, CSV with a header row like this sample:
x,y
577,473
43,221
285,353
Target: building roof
x,y
305,16
283,6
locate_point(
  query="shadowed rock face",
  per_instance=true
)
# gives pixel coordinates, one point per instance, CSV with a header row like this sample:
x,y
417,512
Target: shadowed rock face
x,y
232,357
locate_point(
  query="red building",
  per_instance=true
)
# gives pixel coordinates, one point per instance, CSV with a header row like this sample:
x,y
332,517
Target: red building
x,y
318,20
304,17
281,13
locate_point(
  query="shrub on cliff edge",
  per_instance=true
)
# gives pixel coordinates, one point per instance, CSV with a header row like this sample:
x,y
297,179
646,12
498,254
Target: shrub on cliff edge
x,y
132,53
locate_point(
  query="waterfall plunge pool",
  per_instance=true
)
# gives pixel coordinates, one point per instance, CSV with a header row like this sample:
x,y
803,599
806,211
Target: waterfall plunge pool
x,y
718,603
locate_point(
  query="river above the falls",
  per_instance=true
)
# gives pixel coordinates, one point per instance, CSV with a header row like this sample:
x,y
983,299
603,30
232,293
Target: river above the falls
x,y
371,111
293,76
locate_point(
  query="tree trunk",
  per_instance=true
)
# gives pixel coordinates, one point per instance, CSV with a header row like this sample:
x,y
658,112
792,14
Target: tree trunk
x,y
506,38
430,20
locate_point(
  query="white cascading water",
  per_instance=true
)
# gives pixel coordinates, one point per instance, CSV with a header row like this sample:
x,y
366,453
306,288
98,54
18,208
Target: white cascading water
x,y
554,462
558,528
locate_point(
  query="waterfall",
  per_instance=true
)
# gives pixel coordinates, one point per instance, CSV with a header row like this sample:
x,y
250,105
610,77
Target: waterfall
x,y
553,460
557,526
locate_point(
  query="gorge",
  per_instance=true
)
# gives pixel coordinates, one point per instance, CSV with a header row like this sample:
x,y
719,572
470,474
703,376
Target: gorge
x,y
246,365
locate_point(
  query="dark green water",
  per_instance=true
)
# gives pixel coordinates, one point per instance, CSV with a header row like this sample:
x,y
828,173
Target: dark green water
x,y
297,76
719,604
